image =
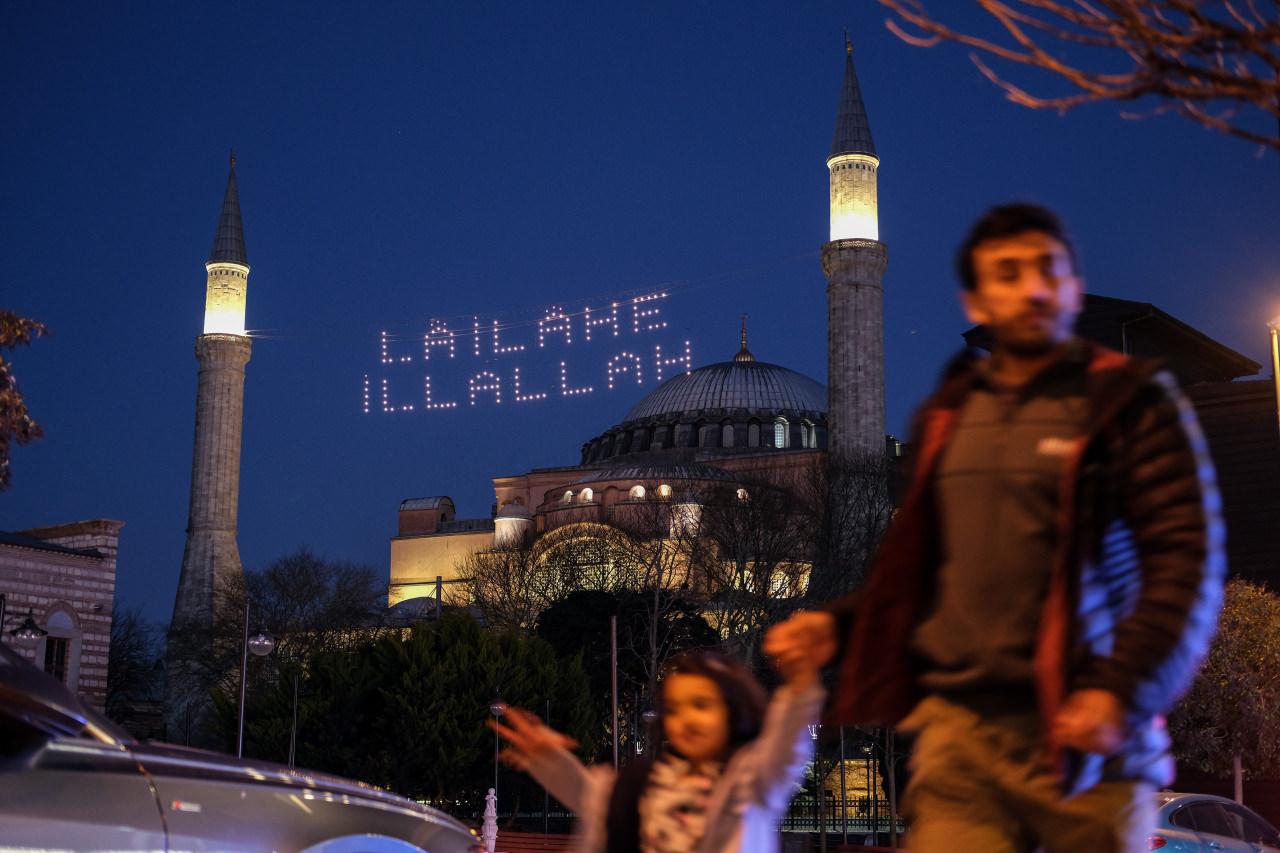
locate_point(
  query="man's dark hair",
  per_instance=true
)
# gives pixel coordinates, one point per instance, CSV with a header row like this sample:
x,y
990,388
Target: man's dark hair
x,y
1007,220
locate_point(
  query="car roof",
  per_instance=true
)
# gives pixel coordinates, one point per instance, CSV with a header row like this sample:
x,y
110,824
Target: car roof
x,y
1178,798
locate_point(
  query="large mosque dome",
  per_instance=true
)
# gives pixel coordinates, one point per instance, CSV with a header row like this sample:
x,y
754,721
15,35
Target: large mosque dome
x,y
730,407
751,385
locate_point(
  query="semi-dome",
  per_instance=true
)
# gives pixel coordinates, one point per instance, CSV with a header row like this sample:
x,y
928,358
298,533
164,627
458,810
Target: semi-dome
x,y
739,406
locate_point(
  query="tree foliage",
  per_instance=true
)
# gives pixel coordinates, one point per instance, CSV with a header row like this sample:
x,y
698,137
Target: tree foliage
x,y
1215,62
306,602
407,711
16,424
1231,708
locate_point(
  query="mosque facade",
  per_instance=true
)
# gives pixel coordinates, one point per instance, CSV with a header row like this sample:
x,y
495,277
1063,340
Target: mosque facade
x,y
715,427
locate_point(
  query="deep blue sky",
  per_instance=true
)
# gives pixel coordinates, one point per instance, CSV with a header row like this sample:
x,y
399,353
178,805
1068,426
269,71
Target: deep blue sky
x,y
399,163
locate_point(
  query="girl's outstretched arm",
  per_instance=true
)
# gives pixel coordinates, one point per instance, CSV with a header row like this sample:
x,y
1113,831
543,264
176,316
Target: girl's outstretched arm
x,y
544,754
777,757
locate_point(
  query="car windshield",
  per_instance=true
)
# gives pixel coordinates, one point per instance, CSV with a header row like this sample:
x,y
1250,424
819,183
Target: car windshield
x,y
49,699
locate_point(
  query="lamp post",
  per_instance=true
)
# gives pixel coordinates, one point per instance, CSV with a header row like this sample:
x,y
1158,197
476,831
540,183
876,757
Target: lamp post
x,y
1274,327
260,644
293,731
497,707
819,787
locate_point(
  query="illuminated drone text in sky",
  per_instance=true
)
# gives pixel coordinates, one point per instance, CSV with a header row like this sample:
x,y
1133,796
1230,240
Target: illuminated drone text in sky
x,y
486,363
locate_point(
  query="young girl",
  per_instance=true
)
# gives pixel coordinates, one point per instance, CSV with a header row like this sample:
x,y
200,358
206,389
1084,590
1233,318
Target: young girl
x,y
721,780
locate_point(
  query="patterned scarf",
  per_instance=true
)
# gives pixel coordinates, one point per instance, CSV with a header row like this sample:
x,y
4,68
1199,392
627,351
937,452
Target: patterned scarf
x,y
673,807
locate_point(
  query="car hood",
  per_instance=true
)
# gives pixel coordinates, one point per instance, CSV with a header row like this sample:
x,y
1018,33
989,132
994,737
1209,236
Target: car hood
x,y
163,760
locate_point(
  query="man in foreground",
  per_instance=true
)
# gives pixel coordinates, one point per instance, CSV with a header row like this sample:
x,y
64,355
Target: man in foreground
x,y
1050,583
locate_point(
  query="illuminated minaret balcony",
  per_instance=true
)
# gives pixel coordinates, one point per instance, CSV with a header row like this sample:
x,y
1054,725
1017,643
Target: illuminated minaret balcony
x,y
852,165
854,214
228,268
225,298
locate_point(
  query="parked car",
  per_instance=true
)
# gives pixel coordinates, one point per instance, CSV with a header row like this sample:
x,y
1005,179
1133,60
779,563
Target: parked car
x,y
1202,823
72,780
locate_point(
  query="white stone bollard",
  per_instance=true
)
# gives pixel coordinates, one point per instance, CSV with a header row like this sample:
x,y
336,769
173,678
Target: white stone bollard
x,y
489,830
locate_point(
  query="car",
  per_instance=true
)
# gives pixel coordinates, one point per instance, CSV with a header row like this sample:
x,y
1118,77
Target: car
x,y
72,780
1203,823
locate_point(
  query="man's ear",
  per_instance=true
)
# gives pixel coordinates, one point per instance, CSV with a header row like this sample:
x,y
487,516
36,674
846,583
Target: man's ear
x,y
1080,292
972,306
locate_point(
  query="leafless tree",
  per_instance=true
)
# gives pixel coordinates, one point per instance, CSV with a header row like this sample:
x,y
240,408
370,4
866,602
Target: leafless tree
x,y
133,672
848,501
511,586
1216,62
761,547
310,603
16,425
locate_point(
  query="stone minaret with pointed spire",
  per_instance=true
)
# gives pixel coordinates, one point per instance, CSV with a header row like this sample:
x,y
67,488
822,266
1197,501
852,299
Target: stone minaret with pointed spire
x,y
211,559
854,261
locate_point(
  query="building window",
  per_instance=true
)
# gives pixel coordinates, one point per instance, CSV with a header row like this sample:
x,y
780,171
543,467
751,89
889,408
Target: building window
x,y
55,657
753,435
568,497
726,435
780,433
664,491
586,496
808,435
637,493
742,495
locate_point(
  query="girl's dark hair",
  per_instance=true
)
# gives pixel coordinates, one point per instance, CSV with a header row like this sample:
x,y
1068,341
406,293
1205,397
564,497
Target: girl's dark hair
x,y
745,699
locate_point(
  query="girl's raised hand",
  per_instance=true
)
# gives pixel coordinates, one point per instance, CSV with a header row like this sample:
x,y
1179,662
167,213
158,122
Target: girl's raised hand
x,y
527,738
797,673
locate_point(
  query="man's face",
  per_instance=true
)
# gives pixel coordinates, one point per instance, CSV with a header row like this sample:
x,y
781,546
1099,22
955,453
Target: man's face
x,y
1028,294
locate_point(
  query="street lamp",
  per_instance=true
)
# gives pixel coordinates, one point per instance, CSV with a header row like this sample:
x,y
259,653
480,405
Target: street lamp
x,y
28,633
1274,326
497,707
649,717
260,644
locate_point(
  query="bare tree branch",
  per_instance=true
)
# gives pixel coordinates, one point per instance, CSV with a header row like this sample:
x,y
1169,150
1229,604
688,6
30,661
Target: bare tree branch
x,y
1214,62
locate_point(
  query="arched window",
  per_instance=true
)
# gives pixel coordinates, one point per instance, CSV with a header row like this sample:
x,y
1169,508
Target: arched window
x,y
637,493
586,496
808,437
60,648
664,491
568,497
753,435
781,433
743,495
726,435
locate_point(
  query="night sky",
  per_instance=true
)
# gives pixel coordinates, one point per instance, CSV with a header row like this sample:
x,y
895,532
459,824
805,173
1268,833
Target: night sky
x,y
399,164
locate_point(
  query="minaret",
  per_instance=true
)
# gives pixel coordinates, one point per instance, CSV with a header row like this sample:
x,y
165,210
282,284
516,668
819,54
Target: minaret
x,y
211,559
854,261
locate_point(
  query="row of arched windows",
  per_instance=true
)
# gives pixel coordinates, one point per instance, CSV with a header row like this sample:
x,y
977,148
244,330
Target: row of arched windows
x,y
703,435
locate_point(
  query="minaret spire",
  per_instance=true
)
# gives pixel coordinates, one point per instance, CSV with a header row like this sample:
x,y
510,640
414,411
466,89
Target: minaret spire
x,y
744,354
853,131
228,240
